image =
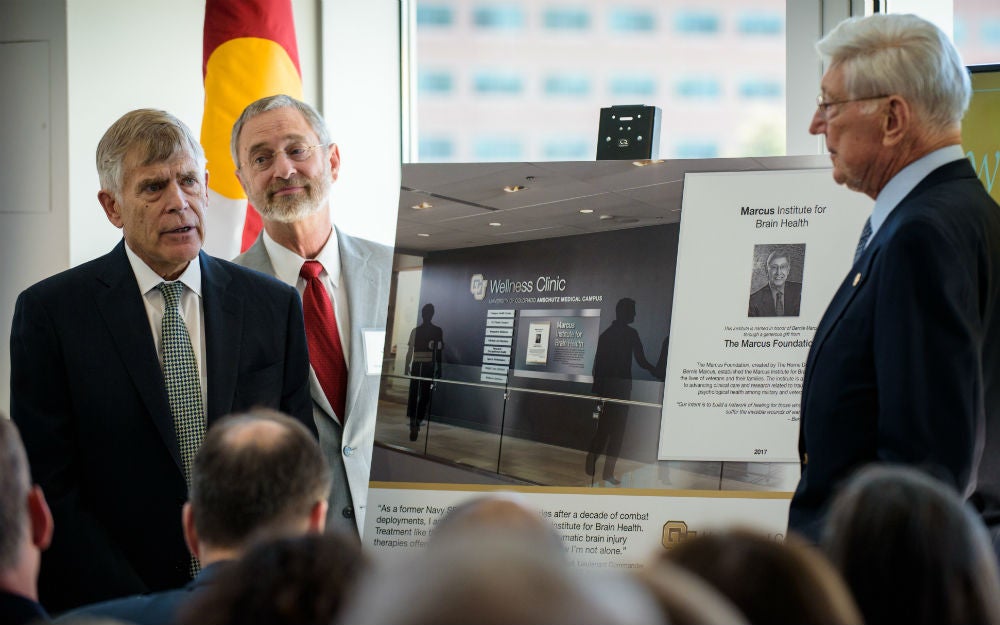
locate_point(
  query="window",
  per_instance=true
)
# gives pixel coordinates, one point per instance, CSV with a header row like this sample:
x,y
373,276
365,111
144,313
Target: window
x,y
761,24
498,149
632,86
573,149
434,81
497,83
533,72
698,88
761,89
696,149
433,15
565,18
567,85
623,20
499,17
696,22
436,148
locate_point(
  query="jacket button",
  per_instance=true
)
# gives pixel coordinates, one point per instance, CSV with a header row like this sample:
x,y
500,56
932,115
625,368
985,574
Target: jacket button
x,y
348,512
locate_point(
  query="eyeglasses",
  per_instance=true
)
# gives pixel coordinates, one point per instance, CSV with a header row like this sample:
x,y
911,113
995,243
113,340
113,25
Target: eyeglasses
x,y
298,152
824,106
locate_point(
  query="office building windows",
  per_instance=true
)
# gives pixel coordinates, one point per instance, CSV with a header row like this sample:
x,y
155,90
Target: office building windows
x,y
567,85
436,148
434,81
977,31
496,148
497,83
566,18
990,32
626,20
531,73
499,17
632,86
769,24
434,15
568,149
696,22
761,88
698,87
696,149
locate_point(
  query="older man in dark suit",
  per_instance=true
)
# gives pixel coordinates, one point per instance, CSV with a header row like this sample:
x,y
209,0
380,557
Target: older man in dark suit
x,y
905,363
118,366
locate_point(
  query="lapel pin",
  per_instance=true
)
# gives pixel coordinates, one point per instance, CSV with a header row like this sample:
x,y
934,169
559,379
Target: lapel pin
x,y
857,278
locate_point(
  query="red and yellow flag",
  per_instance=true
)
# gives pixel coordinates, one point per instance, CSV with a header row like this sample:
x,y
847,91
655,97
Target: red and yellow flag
x,y
249,53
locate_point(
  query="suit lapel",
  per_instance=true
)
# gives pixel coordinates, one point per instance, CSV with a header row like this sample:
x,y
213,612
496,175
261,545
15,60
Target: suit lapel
x,y
361,282
223,328
123,310
861,271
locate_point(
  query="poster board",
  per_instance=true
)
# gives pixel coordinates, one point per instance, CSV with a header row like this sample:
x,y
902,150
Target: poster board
x,y
734,372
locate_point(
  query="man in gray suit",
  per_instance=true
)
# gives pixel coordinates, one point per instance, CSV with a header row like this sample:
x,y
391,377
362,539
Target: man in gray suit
x,y
287,164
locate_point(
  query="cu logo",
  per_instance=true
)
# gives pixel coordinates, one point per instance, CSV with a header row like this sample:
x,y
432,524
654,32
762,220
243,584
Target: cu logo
x,y
674,533
478,286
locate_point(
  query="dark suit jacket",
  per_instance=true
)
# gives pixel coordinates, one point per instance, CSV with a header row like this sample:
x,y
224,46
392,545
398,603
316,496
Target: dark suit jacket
x,y
905,363
762,302
88,395
158,608
18,610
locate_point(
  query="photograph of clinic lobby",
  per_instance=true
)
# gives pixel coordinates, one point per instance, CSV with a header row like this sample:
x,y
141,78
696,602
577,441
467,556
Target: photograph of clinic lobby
x,y
470,97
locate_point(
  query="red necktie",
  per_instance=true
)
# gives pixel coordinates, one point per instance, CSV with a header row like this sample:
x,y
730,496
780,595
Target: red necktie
x,y
325,351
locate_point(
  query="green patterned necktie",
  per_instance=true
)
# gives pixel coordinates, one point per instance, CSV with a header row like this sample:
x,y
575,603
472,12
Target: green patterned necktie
x,y
180,372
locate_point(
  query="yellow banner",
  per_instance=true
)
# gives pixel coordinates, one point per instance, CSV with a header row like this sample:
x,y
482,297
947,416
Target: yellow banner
x,y
981,129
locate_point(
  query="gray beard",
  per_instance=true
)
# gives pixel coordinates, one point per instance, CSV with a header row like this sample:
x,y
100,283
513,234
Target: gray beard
x,y
296,210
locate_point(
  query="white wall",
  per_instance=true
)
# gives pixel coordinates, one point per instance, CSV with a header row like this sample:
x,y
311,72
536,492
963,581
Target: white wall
x,y
361,103
34,212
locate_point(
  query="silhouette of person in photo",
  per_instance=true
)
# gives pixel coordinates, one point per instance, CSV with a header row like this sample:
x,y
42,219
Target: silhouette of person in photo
x,y
616,347
423,359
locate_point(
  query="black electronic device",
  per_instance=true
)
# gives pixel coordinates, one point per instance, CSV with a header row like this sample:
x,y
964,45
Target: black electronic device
x,y
628,132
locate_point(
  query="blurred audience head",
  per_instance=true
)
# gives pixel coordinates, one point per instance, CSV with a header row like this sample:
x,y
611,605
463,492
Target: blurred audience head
x,y
504,512
770,582
686,599
494,577
25,521
300,580
911,551
257,475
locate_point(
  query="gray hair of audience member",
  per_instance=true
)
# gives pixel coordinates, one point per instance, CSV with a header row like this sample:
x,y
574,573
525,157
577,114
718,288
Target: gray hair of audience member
x,y
911,550
145,136
901,54
501,511
300,580
244,485
494,578
770,582
15,482
270,103
686,599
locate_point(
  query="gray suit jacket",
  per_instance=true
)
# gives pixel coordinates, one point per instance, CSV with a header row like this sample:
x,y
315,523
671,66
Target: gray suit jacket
x,y
367,268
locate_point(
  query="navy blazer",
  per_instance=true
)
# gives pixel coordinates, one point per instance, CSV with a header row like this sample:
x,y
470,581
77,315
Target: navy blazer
x,y
905,363
88,395
158,608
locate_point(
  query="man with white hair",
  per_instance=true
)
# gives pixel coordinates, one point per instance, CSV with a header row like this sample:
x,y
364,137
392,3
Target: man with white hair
x,y
905,363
